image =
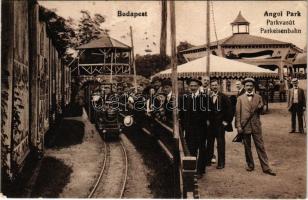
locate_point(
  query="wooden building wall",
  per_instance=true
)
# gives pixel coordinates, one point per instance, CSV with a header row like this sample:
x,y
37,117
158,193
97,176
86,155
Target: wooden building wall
x,y
15,69
34,80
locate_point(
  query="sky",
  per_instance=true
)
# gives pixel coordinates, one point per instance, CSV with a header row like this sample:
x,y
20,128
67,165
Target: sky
x,y
190,20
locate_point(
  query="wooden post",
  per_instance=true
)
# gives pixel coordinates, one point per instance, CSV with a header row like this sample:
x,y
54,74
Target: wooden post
x,y
281,69
163,31
176,134
111,67
208,37
34,62
105,56
174,70
133,58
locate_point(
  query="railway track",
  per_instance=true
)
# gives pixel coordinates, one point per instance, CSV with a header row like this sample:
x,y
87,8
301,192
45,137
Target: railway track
x,y
112,179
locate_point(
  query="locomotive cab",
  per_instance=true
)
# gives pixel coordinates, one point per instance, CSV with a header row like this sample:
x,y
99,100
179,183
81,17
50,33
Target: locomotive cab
x,y
108,121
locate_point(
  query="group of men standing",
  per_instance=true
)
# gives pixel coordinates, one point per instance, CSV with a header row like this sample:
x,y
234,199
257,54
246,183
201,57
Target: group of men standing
x,y
206,114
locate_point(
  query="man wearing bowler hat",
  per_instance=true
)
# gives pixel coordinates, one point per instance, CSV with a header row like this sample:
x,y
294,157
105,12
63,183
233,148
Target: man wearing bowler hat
x,y
191,120
247,122
296,105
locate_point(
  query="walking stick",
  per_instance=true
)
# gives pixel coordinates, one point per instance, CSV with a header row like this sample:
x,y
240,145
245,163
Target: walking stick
x,y
304,119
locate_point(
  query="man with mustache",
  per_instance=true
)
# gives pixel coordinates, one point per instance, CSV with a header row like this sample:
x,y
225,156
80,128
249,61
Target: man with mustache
x,y
247,122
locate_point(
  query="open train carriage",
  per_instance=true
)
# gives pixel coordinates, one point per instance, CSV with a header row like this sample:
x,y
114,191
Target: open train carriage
x,y
34,85
15,91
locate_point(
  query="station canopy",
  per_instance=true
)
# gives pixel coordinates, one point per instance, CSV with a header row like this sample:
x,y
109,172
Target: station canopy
x,y
219,67
104,42
301,59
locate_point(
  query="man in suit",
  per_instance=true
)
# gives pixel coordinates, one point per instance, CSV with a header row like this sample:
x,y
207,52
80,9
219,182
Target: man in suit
x,y
156,82
191,118
233,98
205,87
296,105
247,122
167,105
220,117
205,91
240,88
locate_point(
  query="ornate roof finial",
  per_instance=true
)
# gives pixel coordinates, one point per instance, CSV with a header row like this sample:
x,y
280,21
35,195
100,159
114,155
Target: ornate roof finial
x,y
240,20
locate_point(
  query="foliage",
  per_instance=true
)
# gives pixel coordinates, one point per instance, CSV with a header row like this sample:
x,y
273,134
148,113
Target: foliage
x,y
59,30
182,46
66,33
148,65
89,27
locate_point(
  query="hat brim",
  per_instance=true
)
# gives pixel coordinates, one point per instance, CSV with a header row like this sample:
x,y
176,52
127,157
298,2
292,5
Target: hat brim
x,y
193,80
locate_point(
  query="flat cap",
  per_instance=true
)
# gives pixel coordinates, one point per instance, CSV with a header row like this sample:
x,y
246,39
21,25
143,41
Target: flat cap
x,y
246,80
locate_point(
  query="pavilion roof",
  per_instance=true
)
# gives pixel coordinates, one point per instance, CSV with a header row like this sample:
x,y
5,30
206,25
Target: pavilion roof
x,y
301,59
241,40
104,42
220,67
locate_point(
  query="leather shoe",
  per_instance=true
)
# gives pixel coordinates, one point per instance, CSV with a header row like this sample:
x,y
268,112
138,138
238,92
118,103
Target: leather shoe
x,y
249,169
270,172
292,131
220,167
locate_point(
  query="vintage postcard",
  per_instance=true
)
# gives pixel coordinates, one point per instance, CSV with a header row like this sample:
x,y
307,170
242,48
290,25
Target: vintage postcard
x,y
153,99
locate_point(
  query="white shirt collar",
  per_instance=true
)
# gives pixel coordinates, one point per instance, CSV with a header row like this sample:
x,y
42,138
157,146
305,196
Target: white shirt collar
x,y
195,94
214,93
169,95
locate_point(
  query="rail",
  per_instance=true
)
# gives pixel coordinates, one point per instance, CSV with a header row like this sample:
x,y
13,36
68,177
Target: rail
x,y
175,149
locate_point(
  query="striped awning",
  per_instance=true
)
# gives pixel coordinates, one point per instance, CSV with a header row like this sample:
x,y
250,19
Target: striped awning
x,y
219,67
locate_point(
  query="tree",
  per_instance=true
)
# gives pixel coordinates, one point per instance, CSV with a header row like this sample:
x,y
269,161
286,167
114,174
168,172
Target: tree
x,y
182,46
163,31
148,65
89,28
59,30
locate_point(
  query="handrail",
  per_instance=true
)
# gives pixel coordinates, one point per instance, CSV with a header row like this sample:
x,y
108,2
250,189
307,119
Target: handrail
x,y
184,162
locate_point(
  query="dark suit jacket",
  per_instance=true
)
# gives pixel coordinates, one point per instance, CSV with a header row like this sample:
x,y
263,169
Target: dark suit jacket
x,y
301,98
221,111
192,118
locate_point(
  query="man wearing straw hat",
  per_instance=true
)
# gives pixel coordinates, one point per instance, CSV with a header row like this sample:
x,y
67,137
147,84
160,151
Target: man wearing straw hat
x,y
247,122
296,105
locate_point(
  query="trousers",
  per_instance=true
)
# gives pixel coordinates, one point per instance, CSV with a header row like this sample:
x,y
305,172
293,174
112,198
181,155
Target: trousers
x,y
258,140
216,132
297,110
197,148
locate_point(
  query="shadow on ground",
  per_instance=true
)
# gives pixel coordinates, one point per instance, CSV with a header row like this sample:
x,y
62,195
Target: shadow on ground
x,y
52,178
68,132
17,188
72,110
161,181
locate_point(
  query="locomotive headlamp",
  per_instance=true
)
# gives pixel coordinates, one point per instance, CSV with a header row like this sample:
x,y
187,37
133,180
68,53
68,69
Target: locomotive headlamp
x,y
128,120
